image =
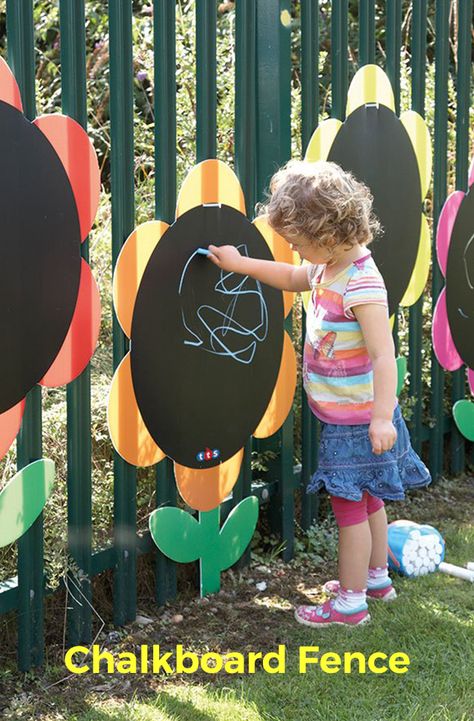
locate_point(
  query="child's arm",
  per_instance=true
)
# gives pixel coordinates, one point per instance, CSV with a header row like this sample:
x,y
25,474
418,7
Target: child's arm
x,y
279,275
378,339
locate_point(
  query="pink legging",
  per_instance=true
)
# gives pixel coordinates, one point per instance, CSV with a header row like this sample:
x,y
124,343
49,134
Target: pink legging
x,y
349,513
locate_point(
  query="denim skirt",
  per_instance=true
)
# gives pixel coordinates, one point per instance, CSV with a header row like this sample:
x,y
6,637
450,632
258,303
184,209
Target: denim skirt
x,y
348,466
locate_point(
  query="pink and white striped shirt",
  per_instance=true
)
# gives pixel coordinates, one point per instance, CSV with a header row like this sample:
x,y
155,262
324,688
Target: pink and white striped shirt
x,y
337,372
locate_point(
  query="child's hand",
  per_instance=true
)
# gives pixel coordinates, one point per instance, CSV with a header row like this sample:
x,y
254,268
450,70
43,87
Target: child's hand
x,y
226,257
382,435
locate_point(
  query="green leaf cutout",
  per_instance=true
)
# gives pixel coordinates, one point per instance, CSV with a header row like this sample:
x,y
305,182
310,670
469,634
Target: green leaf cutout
x,y
238,530
23,499
402,372
176,533
463,412
180,537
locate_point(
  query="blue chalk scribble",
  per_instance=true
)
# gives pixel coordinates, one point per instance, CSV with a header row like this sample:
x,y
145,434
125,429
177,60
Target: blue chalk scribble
x,y
218,329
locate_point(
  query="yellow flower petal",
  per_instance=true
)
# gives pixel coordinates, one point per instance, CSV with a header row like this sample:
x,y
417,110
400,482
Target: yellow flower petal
x,y
369,85
211,181
283,393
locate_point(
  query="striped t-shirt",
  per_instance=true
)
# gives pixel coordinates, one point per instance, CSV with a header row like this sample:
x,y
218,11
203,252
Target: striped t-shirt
x,y
337,372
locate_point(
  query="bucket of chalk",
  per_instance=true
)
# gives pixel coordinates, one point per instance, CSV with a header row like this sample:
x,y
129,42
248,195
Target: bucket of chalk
x,y
414,549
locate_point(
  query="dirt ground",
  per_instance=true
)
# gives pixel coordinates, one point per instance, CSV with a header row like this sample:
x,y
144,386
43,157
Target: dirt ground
x,y
254,609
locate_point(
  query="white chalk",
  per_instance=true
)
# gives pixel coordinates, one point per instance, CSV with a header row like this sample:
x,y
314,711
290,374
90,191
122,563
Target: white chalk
x,y
457,571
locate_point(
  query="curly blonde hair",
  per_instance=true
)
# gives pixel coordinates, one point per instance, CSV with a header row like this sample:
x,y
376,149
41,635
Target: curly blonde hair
x,y
321,202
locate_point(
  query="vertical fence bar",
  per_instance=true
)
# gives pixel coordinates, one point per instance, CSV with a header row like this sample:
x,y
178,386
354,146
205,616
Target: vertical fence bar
x,y
274,149
366,32
393,25
418,69
439,196
123,217
206,117
20,44
164,20
339,65
73,98
245,100
309,122
245,166
462,166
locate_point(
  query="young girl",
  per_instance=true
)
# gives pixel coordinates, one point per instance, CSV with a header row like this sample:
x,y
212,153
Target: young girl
x,y
349,371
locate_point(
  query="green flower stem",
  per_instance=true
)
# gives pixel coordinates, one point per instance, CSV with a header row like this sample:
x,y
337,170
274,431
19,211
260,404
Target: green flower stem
x,y
209,562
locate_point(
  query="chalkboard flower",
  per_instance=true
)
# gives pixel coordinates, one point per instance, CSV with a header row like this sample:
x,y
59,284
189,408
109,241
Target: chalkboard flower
x,y
453,321
210,363
50,305
392,156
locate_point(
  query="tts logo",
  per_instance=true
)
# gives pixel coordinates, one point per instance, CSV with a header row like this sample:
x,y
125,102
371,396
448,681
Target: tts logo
x,y
208,454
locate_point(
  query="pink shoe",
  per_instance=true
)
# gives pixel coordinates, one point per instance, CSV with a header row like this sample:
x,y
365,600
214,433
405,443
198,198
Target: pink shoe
x,y
380,594
326,615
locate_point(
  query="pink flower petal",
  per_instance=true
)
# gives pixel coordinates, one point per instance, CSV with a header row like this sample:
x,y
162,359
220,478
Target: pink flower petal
x,y
470,378
445,227
471,174
443,343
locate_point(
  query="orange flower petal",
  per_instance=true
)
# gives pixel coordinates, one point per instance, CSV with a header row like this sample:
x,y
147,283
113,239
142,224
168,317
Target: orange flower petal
x,y
204,489
126,427
130,266
281,251
282,397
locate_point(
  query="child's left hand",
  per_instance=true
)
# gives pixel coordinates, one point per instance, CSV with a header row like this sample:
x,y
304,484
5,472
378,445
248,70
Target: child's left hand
x,y
382,435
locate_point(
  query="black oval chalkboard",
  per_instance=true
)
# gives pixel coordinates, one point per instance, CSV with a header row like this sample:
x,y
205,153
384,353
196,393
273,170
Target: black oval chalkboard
x,y
373,144
460,280
39,252
206,345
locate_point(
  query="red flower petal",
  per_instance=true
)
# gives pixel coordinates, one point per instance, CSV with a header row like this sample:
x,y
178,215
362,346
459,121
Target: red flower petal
x,y
81,340
79,158
9,90
10,423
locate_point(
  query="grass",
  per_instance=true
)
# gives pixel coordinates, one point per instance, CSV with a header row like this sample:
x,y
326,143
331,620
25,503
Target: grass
x,y
432,621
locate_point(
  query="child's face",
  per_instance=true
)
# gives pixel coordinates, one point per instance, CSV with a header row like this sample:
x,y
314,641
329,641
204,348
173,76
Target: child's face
x,y
307,251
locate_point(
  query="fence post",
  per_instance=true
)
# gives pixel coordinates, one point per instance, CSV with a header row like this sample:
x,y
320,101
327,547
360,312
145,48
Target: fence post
x,y
245,168
416,311
79,485
366,32
309,123
20,43
165,204
464,44
123,221
439,196
274,149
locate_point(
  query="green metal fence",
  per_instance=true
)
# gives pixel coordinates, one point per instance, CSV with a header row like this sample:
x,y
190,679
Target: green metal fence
x,y
264,31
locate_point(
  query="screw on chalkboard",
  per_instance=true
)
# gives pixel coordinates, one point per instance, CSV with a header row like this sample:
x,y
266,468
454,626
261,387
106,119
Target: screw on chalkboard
x,y
208,455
